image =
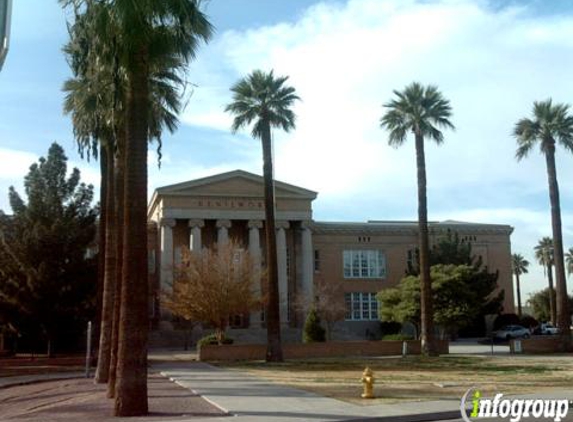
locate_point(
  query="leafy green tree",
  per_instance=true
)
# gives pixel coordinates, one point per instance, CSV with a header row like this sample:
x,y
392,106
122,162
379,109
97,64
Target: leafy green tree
x,y
449,249
401,303
519,266
460,294
551,124
422,111
313,330
46,278
539,302
545,257
453,250
265,100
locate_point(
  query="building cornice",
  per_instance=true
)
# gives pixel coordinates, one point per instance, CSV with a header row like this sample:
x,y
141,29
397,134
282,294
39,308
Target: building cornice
x,y
407,228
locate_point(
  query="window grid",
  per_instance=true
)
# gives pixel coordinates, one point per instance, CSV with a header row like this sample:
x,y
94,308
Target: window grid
x,y
361,306
364,264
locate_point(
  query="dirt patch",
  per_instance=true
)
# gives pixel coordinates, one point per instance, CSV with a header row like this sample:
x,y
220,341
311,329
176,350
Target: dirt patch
x,y
33,365
82,400
417,378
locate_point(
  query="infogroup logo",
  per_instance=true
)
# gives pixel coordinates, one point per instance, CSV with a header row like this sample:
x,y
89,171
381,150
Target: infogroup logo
x,y
513,409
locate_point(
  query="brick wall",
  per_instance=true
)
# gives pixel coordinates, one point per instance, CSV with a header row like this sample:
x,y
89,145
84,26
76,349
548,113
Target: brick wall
x,y
547,344
315,350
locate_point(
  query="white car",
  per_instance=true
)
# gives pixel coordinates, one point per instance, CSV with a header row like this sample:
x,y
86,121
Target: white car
x,y
548,328
512,331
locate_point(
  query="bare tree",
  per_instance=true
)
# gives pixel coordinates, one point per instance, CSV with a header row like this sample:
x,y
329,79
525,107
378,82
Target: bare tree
x,y
213,285
327,302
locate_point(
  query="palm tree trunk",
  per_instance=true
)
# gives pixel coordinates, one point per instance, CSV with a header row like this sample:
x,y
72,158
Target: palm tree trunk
x,y
118,213
131,385
274,348
101,246
102,370
563,318
552,310
426,308
518,288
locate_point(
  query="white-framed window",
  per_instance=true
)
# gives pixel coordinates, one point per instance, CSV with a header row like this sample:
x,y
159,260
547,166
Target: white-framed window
x,y
361,306
367,263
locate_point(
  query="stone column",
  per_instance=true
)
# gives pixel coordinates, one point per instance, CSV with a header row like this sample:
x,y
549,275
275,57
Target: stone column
x,y
166,268
223,227
255,252
282,270
195,242
307,263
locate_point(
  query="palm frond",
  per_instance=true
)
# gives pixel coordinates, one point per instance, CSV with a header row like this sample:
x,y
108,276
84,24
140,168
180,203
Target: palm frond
x,y
551,124
262,98
417,109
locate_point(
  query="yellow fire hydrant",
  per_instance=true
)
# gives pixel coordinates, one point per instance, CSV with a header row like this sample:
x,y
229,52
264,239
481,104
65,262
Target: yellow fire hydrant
x,y
368,381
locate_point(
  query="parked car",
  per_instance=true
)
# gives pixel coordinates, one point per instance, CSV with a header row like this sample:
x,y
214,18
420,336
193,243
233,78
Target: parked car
x,y
509,332
548,328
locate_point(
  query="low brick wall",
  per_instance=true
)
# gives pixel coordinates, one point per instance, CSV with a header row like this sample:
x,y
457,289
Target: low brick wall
x,y
546,344
315,350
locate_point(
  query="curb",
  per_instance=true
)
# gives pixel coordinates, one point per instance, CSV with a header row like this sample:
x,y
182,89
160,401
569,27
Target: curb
x,y
422,417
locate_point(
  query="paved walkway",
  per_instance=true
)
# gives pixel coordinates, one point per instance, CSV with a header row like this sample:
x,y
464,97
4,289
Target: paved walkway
x,y
254,399
247,398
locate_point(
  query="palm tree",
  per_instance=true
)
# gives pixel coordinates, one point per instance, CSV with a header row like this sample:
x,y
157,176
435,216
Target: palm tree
x,y
174,28
422,111
544,255
171,30
569,261
265,100
519,266
89,101
551,124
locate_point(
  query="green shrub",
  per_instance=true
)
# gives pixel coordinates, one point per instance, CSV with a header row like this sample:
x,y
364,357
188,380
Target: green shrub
x,y
313,331
401,337
211,339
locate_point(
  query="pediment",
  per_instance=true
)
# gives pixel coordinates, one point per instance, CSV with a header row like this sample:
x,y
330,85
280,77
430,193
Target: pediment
x,y
236,183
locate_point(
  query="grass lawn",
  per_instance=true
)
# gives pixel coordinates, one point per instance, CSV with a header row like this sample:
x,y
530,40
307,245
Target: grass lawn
x,y
417,378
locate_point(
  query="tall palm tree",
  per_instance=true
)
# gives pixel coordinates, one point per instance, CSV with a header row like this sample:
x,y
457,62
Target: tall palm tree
x,y
266,100
551,124
544,256
569,261
89,101
175,28
422,111
172,30
519,265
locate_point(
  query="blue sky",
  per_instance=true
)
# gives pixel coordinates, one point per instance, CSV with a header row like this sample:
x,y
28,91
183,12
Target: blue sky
x,y
492,59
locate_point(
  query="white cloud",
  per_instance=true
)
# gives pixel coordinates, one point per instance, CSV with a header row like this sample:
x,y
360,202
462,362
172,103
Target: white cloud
x,y
345,60
15,163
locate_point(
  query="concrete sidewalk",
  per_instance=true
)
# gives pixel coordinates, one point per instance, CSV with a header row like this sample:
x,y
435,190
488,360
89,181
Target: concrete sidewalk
x,y
253,399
